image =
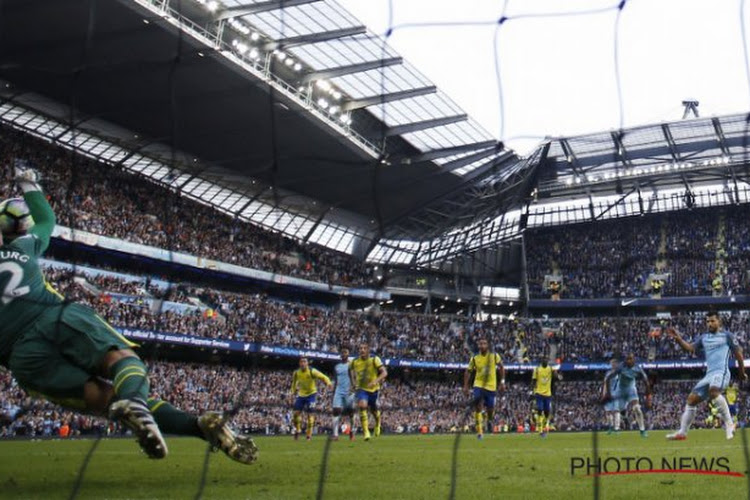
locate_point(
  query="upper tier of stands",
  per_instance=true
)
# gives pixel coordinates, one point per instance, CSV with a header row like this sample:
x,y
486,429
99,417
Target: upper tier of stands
x,y
191,310
704,252
113,202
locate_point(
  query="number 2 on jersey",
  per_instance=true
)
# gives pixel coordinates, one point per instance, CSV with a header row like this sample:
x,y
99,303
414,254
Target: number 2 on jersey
x,y
12,289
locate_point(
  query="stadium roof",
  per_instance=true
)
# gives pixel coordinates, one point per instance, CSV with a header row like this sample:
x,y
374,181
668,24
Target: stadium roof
x,y
304,122
656,156
296,95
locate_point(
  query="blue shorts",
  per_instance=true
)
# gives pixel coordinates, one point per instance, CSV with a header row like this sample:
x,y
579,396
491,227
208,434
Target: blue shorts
x,y
715,379
305,403
486,396
370,397
626,395
614,404
342,400
733,409
543,403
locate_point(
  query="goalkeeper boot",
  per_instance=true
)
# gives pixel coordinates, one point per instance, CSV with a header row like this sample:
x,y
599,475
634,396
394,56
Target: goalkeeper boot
x,y
135,415
240,448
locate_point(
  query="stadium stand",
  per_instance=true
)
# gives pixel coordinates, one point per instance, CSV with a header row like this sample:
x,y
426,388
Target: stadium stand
x,y
113,202
408,403
264,319
615,258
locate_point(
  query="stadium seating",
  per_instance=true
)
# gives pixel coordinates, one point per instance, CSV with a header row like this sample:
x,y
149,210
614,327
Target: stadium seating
x,y
408,403
615,258
259,318
113,202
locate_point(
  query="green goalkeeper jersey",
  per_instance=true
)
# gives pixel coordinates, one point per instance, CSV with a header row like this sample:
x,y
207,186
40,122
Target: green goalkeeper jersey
x,y
24,294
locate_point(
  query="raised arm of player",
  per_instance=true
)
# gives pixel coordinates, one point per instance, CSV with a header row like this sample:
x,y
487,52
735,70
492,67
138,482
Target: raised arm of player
x,y
317,374
607,377
680,341
467,375
293,389
501,372
352,378
382,374
40,209
646,381
740,363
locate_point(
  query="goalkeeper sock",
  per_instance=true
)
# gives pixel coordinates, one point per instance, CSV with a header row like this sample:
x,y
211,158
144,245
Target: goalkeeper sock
x,y
310,422
723,407
363,420
173,421
478,420
639,417
336,421
687,419
129,378
617,421
297,421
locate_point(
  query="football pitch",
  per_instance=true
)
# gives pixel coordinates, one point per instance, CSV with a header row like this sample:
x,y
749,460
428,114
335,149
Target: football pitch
x,y
392,467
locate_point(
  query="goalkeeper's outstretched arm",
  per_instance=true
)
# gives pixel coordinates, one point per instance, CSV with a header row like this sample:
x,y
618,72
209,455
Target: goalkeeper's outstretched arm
x,y
40,209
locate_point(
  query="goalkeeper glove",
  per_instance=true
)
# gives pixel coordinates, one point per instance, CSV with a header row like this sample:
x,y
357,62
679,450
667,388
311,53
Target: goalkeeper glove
x,y
27,180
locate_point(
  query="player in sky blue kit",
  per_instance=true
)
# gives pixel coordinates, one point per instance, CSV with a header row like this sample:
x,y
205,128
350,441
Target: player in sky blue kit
x,y
717,345
611,388
627,392
343,396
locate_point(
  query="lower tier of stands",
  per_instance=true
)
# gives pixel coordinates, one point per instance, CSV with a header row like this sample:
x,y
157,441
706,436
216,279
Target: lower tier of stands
x,y
409,402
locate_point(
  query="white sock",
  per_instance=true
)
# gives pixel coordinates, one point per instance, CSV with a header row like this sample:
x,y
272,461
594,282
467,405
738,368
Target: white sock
x,y
687,419
617,421
723,407
639,417
336,421
610,420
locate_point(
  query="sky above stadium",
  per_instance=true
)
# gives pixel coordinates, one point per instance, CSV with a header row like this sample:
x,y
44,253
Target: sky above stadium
x,y
558,73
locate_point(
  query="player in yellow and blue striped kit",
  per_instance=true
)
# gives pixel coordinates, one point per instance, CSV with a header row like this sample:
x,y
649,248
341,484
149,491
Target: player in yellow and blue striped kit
x,y
305,387
485,366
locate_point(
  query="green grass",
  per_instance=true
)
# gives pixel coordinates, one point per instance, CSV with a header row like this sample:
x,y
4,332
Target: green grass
x,y
392,467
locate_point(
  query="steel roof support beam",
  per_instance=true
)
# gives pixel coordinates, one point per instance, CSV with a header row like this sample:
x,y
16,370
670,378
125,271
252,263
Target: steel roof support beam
x,y
246,10
318,222
454,150
321,36
721,138
384,98
670,142
352,68
621,151
407,128
570,156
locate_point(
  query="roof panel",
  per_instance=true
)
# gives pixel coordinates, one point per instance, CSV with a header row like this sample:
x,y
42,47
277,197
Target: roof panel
x,y
300,20
343,51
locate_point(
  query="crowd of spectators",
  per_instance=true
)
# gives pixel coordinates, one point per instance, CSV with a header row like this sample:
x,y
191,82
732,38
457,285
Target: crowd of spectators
x,y
261,401
615,258
113,202
594,260
261,319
